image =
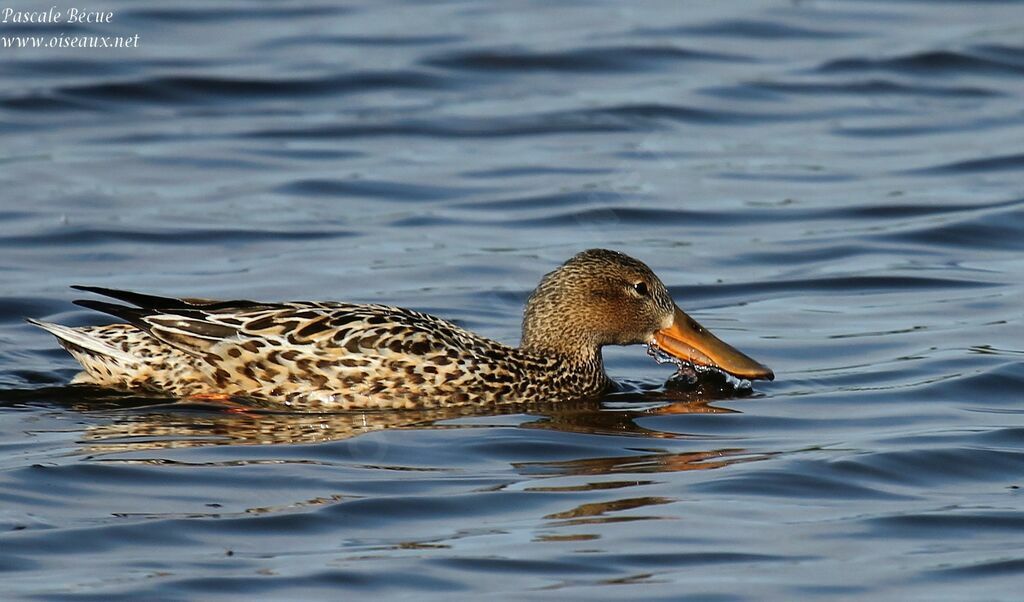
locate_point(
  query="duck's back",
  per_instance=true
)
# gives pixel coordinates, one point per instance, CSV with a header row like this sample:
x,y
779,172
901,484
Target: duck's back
x,y
357,356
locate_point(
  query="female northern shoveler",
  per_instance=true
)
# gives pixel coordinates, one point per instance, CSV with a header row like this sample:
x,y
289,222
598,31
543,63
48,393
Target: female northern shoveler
x,y
343,355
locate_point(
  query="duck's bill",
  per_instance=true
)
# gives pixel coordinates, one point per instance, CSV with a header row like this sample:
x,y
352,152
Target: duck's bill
x,y
690,342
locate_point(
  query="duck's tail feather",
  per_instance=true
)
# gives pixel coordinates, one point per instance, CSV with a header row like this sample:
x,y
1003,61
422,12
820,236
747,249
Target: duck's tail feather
x,y
83,340
185,329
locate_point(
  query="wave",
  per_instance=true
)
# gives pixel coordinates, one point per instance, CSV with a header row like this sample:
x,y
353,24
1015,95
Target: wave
x,y
929,62
593,59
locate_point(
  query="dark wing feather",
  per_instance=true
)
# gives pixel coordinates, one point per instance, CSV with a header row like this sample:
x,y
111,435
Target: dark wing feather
x,y
170,303
189,325
132,315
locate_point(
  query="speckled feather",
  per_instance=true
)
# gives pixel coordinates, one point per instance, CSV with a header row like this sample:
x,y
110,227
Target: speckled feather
x,y
323,355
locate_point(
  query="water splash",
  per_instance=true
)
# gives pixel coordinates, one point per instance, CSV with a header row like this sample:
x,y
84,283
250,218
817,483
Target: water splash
x,y
684,370
690,373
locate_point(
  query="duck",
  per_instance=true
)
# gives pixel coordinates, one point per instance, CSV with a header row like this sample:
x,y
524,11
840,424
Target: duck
x,y
326,356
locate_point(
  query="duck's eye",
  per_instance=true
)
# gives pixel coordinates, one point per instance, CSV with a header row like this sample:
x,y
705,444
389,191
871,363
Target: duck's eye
x,y
640,288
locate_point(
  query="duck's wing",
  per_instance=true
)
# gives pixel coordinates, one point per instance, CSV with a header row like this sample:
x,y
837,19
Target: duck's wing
x,y
227,334
190,325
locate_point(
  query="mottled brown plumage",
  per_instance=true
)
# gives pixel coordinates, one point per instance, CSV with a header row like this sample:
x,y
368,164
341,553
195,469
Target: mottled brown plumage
x,y
321,355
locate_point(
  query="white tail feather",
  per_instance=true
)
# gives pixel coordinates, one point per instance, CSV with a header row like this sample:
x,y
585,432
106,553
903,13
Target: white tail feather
x,y
80,339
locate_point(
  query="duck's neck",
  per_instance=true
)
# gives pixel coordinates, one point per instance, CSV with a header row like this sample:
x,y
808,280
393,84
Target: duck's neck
x,y
577,370
579,356
578,366
568,354
552,329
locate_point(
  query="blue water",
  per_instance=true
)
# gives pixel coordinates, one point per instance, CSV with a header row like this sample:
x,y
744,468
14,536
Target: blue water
x,y
833,187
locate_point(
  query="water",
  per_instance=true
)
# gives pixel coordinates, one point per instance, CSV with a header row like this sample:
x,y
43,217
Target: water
x,y
833,187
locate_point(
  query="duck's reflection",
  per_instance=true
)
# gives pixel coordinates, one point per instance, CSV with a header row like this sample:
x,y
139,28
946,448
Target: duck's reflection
x,y
128,424
660,462
595,512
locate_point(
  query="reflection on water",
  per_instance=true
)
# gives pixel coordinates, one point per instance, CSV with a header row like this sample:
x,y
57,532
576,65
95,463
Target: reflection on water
x,y
588,513
123,422
643,463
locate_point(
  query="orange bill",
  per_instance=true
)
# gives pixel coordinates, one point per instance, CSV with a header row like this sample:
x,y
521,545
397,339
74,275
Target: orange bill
x,y
691,342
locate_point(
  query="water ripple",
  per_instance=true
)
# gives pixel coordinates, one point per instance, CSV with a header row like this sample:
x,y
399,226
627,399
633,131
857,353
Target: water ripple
x,y
997,163
221,15
929,62
791,485
590,59
372,189
551,124
935,525
869,87
993,230
752,29
83,236
196,89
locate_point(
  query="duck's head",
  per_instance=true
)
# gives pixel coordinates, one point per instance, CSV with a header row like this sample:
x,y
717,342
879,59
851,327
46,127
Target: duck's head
x,y
602,297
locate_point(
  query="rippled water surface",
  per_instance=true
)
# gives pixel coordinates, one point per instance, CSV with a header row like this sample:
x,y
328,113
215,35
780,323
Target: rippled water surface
x,y
837,188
